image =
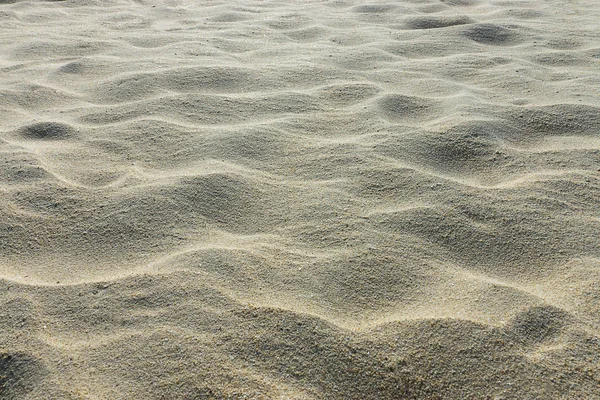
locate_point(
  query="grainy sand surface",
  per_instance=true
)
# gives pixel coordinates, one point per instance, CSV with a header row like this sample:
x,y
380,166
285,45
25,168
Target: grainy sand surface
x,y
300,199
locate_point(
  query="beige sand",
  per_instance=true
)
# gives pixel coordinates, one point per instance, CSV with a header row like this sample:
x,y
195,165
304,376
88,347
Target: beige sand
x,y
326,199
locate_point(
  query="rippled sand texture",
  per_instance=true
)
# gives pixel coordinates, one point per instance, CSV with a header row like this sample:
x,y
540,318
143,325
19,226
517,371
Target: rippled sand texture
x,y
300,199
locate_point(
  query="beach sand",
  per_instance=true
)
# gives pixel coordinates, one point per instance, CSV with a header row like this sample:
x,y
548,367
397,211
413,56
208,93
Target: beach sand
x,y
300,199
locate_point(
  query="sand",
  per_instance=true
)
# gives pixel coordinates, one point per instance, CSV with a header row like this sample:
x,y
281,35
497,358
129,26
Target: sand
x,y
300,199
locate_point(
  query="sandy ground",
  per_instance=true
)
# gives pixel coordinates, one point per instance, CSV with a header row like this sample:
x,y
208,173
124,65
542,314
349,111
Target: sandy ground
x,y
300,199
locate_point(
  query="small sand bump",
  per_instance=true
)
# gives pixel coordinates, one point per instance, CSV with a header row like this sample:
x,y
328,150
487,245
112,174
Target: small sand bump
x,y
438,22
453,152
564,44
39,49
47,131
19,374
524,13
399,108
219,197
539,324
416,49
541,122
494,35
373,8
460,3
309,34
350,94
75,67
230,17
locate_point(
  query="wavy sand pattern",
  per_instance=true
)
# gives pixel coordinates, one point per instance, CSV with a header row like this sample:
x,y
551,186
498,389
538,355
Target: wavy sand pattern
x,y
300,199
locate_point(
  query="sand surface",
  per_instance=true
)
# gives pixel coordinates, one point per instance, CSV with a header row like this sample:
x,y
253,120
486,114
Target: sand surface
x,y
300,199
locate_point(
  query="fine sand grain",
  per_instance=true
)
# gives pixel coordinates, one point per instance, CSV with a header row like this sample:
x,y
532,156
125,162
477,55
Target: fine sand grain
x,y
332,199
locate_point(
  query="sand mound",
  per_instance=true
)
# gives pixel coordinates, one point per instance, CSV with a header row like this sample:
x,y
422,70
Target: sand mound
x,y
305,199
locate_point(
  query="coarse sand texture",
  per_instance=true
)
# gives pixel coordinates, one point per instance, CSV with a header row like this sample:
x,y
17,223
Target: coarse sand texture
x,y
300,199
